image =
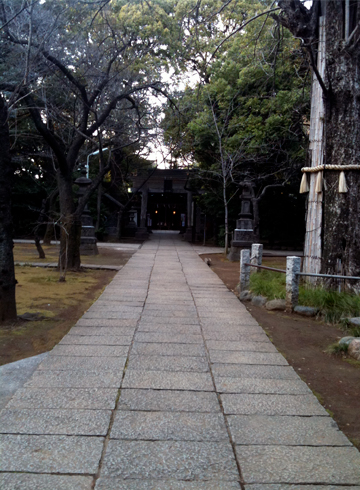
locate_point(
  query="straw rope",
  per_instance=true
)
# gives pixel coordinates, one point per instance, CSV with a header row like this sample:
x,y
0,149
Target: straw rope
x,y
320,183
319,168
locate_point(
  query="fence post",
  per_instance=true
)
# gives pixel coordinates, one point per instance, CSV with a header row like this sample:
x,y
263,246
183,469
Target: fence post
x,y
256,256
244,269
293,265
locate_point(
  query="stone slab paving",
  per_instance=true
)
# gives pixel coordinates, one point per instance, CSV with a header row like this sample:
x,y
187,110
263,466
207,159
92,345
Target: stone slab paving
x,y
68,363
300,487
31,481
117,484
168,383
75,379
96,340
187,381
169,426
178,460
69,422
67,398
185,364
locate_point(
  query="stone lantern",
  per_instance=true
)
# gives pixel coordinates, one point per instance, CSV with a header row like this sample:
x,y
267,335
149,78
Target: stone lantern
x,y
88,241
244,233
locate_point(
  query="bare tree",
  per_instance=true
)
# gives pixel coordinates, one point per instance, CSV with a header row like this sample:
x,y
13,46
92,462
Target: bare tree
x,y
72,84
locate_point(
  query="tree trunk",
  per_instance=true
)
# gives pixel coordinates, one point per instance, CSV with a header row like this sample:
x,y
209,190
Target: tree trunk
x,y
118,224
98,207
7,272
226,220
341,226
39,247
50,230
70,226
70,236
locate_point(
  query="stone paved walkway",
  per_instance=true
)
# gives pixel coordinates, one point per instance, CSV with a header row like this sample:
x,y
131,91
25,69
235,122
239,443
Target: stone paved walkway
x,y
168,383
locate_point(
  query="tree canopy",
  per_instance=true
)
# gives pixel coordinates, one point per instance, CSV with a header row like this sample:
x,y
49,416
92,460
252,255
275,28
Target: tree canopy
x,y
247,114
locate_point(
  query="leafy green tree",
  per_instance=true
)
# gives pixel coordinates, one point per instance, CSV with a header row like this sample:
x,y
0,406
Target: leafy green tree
x,y
245,117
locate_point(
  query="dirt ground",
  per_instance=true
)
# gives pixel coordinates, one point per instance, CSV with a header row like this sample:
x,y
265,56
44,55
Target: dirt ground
x,y
335,380
59,304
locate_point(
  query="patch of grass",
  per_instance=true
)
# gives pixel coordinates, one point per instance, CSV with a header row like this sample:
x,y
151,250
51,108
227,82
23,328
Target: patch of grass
x,y
337,349
333,306
26,252
353,330
268,283
39,289
60,305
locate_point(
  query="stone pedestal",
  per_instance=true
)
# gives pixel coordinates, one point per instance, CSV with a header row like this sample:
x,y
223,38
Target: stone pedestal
x,y
142,234
88,244
188,235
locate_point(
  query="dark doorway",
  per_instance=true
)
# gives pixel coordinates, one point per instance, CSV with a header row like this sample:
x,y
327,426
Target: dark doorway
x,y
167,211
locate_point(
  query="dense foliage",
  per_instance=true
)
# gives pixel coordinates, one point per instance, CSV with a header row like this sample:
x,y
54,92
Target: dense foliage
x,y
246,116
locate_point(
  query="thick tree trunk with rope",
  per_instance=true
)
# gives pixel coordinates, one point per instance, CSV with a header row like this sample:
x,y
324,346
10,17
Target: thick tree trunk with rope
x,y
341,212
340,82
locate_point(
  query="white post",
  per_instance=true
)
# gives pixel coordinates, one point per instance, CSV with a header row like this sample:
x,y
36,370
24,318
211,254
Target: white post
x,y
293,265
244,270
256,256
